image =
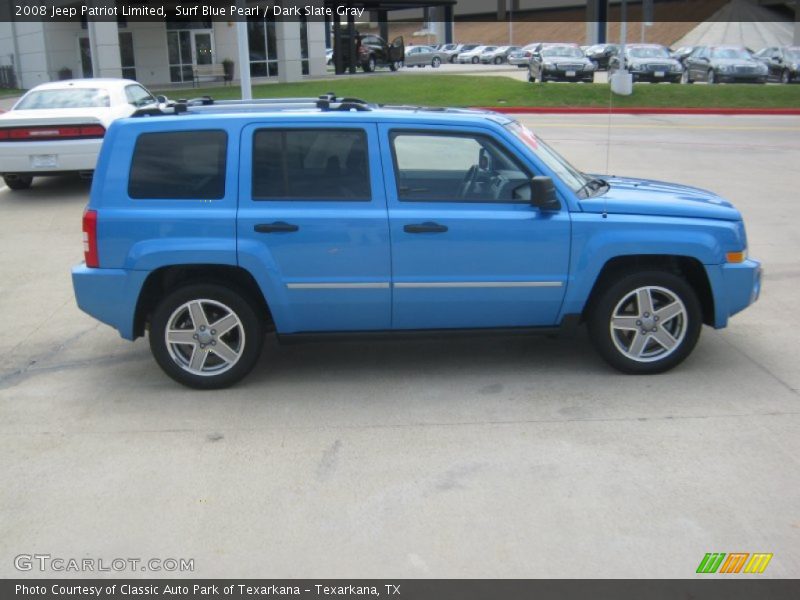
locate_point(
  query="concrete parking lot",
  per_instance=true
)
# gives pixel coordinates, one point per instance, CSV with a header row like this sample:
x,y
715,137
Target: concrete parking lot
x,y
479,457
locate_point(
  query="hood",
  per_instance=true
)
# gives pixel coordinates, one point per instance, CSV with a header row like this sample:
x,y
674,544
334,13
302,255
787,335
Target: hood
x,y
743,62
658,198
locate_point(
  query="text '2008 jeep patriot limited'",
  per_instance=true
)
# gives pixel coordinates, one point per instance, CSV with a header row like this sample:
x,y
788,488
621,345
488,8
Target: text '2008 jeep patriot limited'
x,y
218,222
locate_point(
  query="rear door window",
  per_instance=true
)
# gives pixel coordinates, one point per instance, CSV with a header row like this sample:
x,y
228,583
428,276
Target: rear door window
x,y
185,165
311,164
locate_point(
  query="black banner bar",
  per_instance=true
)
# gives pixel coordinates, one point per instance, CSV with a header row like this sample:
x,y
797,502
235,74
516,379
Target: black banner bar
x,y
733,588
367,10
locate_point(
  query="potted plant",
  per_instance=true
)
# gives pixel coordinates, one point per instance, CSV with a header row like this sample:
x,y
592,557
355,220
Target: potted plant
x,y
64,73
227,66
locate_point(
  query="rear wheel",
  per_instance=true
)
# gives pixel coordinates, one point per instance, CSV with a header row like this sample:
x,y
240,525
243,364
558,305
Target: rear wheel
x,y
436,62
206,336
646,322
18,182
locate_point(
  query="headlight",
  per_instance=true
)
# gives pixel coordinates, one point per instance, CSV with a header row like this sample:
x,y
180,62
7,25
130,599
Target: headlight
x,y
763,68
590,66
634,66
676,67
549,66
725,68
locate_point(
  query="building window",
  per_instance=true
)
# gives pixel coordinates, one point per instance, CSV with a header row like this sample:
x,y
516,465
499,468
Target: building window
x,y
126,55
263,48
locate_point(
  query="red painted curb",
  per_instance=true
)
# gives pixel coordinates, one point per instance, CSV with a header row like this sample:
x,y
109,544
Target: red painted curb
x,y
639,110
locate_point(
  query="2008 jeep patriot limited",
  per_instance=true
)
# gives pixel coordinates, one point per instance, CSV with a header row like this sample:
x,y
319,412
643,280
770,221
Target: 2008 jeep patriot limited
x,y
217,223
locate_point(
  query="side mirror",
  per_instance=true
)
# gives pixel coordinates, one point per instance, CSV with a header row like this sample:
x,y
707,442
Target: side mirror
x,y
543,194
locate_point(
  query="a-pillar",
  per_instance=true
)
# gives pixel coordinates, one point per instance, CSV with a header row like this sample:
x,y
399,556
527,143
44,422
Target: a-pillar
x,y
290,61
104,44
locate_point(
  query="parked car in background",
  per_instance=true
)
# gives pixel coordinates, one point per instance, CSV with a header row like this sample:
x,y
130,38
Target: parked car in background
x,y
523,56
498,56
424,56
783,63
453,50
601,54
648,62
59,127
724,64
372,51
681,53
560,62
473,56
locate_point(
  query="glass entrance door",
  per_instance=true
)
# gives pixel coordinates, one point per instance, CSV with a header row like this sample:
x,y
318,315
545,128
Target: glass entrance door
x,y
203,48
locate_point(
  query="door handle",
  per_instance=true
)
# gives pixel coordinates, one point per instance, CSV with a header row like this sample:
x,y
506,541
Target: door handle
x,y
426,227
276,227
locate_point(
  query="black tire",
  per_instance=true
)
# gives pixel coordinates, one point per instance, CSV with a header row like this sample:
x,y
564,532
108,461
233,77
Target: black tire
x,y
18,182
498,60
685,327
436,62
370,65
475,60
247,338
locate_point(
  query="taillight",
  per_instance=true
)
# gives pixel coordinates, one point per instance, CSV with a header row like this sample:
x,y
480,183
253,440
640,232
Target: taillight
x,y
90,238
56,132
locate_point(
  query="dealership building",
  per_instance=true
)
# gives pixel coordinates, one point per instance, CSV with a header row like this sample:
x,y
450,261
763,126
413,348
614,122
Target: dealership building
x,y
168,50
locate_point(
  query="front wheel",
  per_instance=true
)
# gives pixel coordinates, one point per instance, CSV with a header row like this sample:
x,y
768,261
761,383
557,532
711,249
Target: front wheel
x,y
474,60
646,322
206,336
18,182
498,60
436,62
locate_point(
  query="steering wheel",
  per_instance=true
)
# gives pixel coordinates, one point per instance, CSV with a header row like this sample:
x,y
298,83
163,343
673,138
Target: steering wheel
x,y
469,180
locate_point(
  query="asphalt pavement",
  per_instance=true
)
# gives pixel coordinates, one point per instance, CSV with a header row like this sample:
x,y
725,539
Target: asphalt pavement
x,y
477,457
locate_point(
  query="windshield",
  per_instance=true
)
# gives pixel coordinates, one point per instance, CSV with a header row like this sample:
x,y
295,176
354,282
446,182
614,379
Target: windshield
x,y
573,178
649,52
468,47
730,53
72,98
568,51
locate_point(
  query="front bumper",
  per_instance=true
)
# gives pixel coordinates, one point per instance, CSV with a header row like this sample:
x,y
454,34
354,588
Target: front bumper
x,y
49,157
109,295
735,287
739,78
670,76
562,75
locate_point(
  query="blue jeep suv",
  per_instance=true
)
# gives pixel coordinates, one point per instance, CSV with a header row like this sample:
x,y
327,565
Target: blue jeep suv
x,y
213,223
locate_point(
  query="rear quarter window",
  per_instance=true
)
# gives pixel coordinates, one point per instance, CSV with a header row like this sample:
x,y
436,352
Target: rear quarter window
x,y
180,165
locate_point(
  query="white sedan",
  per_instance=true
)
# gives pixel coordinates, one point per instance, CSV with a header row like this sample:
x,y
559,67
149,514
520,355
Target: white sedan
x,y
59,127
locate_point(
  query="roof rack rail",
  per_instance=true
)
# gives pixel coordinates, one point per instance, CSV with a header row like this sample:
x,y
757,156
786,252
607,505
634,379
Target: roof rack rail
x,y
325,102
